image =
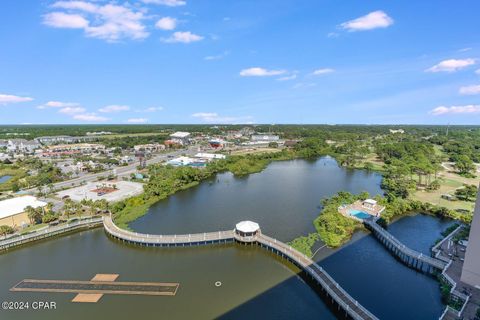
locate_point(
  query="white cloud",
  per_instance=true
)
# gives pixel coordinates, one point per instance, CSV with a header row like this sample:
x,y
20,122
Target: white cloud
x,y
110,22
169,3
470,90
287,78
183,37
304,85
166,23
260,72
456,110
153,109
58,104
451,65
72,110
217,57
64,20
137,120
8,98
76,5
213,117
114,108
477,71
92,117
322,71
373,20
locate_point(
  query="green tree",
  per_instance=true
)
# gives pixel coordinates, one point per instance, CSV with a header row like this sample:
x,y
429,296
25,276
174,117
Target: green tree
x,y
467,193
34,214
464,164
4,230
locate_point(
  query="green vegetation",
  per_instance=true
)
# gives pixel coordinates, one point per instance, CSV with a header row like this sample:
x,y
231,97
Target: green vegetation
x,y
445,289
334,228
4,230
127,142
449,230
467,193
305,244
29,173
16,174
408,165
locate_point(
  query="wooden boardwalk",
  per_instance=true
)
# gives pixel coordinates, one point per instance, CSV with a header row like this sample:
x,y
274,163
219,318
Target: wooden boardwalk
x,y
351,306
409,256
166,240
344,301
50,232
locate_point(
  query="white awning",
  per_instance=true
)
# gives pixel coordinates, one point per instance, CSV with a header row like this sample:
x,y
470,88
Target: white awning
x,y
247,226
370,201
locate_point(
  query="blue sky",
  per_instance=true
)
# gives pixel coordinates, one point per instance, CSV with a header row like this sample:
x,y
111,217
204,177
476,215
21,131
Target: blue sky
x,y
242,61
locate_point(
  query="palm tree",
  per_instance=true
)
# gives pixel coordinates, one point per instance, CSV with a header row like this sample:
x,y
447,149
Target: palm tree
x,y
32,214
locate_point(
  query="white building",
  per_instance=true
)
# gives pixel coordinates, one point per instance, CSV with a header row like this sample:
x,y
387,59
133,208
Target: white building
x,y
209,156
47,140
396,131
80,147
151,147
22,145
265,138
181,161
12,211
180,137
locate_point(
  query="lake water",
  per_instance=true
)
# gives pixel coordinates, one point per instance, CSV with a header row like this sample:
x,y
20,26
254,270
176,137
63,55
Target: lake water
x,y
284,199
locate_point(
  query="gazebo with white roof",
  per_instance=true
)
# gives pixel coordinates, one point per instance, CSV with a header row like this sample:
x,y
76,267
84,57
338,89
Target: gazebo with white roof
x,y
247,228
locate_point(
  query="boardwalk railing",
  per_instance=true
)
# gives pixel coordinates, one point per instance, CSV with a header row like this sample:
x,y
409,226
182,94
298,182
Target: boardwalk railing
x,y
436,248
166,240
351,307
49,232
402,250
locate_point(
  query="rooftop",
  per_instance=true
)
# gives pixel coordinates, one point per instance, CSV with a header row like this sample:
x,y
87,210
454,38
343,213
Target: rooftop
x,y
180,134
15,206
247,226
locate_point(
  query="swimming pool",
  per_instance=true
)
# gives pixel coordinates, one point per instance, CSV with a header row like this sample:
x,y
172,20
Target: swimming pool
x,y
359,214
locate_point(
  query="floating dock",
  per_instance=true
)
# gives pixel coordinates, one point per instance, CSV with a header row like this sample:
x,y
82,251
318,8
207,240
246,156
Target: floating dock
x,y
93,290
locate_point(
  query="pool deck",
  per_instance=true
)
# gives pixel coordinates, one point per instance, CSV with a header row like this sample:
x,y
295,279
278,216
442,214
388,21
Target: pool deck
x,y
376,211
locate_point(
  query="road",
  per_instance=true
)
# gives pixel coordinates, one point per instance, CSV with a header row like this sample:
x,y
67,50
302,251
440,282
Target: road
x,y
118,171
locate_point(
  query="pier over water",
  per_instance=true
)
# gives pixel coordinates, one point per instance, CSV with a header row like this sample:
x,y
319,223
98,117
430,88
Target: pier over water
x,y
248,232
412,258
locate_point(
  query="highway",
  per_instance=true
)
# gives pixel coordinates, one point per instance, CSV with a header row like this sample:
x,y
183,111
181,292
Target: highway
x,y
118,171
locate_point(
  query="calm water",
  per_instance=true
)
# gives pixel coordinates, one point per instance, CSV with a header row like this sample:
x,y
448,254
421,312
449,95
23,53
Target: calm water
x,y
4,178
284,199
384,285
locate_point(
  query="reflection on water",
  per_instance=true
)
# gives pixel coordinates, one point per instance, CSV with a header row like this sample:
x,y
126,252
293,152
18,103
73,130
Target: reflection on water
x,y
284,199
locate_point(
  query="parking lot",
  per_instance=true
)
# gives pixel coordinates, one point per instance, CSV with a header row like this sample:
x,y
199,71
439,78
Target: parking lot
x,y
111,191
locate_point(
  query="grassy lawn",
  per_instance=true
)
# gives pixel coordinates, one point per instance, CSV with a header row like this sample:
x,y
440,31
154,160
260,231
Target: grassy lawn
x,y
34,227
255,151
372,158
435,198
449,182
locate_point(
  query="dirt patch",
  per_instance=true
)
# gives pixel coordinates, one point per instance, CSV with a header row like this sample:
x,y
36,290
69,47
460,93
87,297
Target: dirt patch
x,y
104,190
